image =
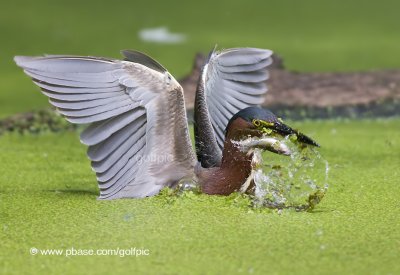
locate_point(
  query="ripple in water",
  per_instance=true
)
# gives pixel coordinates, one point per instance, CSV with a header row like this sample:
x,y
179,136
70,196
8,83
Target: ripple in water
x,y
298,181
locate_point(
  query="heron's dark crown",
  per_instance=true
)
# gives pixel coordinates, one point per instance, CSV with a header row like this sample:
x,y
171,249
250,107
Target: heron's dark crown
x,y
251,113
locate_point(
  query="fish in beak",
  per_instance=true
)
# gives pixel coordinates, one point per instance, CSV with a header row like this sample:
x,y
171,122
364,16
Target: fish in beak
x,y
264,130
272,136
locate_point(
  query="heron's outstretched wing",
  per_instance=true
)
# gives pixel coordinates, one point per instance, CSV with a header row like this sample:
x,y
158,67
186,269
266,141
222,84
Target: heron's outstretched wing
x,y
138,135
231,80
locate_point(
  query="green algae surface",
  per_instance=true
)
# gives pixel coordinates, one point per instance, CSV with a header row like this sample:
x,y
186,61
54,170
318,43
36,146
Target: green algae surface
x,y
48,201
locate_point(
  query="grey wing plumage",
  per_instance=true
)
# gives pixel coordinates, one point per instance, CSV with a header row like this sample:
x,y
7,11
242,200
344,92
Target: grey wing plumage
x,y
231,80
132,136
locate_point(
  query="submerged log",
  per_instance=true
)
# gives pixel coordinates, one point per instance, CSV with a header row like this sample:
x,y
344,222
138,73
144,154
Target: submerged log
x,y
319,95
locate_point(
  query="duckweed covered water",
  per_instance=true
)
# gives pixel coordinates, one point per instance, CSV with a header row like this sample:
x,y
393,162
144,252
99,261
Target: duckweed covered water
x,y
354,230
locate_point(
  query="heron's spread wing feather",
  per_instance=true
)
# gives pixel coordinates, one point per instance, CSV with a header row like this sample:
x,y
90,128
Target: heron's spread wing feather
x,y
233,80
138,136
138,57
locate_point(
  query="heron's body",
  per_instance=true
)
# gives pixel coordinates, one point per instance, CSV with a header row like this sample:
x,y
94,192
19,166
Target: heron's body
x,y
230,176
138,134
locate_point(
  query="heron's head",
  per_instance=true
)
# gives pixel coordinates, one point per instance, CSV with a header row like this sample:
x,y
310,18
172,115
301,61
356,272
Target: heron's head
x,y
254,127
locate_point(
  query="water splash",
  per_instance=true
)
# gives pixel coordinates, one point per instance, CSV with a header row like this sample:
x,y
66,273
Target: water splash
x,y
297,181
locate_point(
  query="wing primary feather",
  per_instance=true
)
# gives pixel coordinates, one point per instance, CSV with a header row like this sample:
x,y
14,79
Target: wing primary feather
x,y
95,103
77,90
96,110
80,97
105,177
101,116
259,88
105,186
118,158
242,56
100,131
248,67
248,77
101,77
144,59
67,64
70,84
101,150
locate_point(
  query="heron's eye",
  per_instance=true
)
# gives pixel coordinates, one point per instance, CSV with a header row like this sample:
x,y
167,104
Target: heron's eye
x,y
256,122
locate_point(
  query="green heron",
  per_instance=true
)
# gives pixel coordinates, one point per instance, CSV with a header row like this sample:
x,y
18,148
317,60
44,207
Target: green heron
x,y
247,130
138,134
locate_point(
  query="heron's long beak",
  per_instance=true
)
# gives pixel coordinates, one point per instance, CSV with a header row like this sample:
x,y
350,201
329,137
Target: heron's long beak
x,y
285,130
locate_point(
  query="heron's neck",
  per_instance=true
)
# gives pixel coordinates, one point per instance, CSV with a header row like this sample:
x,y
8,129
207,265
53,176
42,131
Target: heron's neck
x,y
208,152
